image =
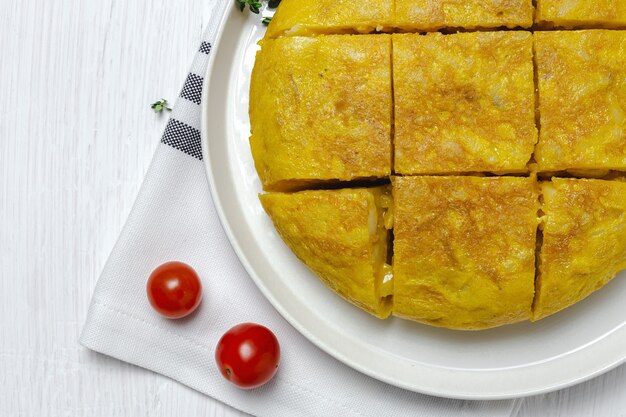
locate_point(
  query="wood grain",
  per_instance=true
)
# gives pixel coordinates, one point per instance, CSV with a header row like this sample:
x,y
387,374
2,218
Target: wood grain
x,y
76,137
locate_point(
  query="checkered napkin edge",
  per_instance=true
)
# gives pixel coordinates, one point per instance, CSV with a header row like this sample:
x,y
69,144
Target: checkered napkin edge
x,y
182,131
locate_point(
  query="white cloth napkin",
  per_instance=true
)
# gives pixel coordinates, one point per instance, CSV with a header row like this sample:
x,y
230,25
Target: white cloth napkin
x,y
174,219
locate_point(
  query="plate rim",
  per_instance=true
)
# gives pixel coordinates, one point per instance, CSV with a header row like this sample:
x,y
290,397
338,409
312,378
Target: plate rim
x,y
315,338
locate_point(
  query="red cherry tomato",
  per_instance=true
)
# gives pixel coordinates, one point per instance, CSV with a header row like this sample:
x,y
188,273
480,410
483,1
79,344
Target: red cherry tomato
x,y
174,290
248,355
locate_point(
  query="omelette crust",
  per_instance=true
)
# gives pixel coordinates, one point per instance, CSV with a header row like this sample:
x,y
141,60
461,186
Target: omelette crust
x,y
464,250
463,102
584,241
310,18
438,114
340,235
320,109
582,100
581,13
307,18
429,15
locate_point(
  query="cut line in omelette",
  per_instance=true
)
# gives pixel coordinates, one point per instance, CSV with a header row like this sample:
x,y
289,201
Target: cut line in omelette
x,y
584,241
341,236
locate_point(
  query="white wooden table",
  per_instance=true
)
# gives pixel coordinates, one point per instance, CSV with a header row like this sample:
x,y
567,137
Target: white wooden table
x,y
76,137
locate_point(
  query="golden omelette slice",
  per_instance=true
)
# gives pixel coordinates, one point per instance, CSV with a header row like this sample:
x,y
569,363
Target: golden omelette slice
x,y
582,100
341,236
584,241
320,110
463,102
430,15
581,13
313,17
464,250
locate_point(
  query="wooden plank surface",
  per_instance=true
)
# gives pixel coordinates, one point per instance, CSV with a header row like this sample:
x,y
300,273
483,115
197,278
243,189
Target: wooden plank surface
x,y
76,137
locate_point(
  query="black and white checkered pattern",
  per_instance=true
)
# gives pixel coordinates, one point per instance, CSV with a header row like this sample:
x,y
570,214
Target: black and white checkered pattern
x,y
192,90
205,48
181,135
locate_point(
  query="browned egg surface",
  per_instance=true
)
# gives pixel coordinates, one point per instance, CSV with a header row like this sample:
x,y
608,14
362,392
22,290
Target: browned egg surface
x,y
459,163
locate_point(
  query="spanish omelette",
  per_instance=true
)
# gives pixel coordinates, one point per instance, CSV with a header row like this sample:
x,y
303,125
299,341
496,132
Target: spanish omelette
x,y
484,123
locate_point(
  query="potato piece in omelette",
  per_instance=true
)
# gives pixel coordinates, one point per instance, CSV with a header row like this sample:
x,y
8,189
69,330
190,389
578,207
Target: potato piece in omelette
x,y
582,100
464,250
463,102
320,110
314,17
430,15
341,236
581,13
584,241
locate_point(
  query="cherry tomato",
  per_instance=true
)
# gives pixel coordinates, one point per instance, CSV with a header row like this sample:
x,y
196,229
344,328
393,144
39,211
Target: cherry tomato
x,y
174,290
248,355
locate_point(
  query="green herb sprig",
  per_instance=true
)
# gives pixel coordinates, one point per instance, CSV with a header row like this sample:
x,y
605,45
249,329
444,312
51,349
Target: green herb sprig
x,y
160,105
255,5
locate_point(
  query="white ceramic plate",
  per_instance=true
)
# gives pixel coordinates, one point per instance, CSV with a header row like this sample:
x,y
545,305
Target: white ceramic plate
x,y
523,359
